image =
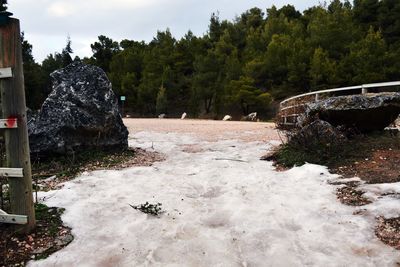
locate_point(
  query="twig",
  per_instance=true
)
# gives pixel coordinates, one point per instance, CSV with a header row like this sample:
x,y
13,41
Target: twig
x,y
47,175
36,189
238,160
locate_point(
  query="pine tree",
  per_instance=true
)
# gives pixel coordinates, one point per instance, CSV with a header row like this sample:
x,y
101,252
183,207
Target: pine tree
x,y
66,53
35,80
161,105
247,96
103,51
368,58
3,5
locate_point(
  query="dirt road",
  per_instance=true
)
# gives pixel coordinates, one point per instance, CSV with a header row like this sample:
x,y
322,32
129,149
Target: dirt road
x,y
208,130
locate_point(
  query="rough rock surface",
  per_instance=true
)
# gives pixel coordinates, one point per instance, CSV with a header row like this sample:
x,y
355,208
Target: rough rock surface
x,y
397,122
81,112
315,133
367,112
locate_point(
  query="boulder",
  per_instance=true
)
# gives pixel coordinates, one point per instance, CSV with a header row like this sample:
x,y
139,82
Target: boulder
x,y
251,117
317,133
367,113
227,118
80,113
397,122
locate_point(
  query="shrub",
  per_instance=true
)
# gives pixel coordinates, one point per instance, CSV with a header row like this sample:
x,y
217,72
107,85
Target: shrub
x,y
317,142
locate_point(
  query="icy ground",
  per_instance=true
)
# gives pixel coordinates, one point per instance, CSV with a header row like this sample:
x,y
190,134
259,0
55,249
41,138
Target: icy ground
x,y
224,207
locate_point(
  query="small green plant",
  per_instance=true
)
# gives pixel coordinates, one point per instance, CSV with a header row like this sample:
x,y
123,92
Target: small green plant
x,y
69,166
51,216
152,209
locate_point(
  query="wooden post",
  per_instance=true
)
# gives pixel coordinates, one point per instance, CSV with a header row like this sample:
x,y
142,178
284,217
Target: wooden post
x,y
364,90
16,140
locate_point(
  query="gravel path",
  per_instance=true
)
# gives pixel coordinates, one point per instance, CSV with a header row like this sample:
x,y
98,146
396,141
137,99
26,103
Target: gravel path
x,y
207,130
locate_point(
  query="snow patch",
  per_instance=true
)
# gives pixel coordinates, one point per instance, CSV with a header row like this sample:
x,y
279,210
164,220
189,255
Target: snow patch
x,y
218,213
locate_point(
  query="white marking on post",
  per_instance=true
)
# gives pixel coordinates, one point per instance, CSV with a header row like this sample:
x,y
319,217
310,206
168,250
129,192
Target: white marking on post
x,y
12,172
13,219
5,73
8,123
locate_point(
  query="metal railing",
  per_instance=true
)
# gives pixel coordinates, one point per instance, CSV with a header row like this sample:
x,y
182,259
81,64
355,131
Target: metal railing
x,y
290,109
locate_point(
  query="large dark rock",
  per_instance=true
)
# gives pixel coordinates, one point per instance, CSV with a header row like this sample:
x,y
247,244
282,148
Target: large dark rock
x,y
317,133
369,112
80,113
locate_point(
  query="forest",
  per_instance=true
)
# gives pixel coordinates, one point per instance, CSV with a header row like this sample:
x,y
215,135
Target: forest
x,y
244,65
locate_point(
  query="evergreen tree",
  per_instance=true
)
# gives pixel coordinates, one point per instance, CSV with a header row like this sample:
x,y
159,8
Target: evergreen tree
x,y
161,104
368,59
249,97
3,5
103,51
238,66
27,56
126,71
206,79
323,70
365,12
66,53
389,21
33,76
215,28
333,30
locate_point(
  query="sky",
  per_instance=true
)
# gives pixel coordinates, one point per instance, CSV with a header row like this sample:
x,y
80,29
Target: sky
x,y
47,23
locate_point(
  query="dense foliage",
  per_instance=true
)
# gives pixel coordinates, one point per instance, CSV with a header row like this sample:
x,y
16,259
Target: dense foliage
x,y
241,66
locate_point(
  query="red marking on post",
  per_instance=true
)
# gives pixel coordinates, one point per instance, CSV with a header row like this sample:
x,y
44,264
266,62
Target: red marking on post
x,y
11,121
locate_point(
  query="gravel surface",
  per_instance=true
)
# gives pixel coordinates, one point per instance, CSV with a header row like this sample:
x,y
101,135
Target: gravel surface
x,y
207,130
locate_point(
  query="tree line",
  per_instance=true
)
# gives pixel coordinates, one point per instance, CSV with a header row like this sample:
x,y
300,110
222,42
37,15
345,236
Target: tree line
x,y
244,65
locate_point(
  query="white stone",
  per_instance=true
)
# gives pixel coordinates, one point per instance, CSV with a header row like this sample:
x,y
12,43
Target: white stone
x,y
227,118
252,116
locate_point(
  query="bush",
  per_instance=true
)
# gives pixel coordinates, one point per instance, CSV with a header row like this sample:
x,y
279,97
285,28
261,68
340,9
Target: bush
x,y
317,142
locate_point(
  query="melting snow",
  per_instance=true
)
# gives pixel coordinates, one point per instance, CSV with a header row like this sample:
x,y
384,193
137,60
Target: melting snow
x,y
218,213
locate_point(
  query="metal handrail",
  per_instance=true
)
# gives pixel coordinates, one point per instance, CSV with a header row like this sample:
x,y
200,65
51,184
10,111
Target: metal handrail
x,y
364,89
364,86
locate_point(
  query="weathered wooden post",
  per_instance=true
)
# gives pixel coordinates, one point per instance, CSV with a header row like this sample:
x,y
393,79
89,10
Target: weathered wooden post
x,y
364,90
14,111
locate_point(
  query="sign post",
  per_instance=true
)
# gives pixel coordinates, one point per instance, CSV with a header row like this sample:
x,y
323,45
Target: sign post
x,y
123,98
16,135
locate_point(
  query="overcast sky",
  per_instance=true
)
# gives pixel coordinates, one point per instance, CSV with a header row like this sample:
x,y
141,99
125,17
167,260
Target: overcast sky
x,y
47,23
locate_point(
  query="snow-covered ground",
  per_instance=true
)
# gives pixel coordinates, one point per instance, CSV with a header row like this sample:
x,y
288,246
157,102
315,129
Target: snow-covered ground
x,y
224,207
